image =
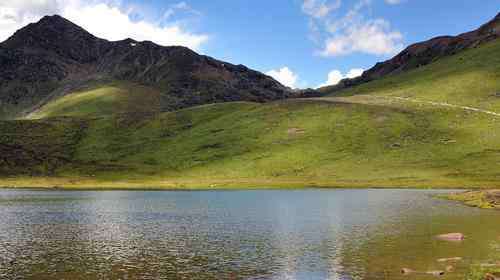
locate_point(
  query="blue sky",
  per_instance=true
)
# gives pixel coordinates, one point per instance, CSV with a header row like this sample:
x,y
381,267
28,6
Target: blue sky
x,y
299,42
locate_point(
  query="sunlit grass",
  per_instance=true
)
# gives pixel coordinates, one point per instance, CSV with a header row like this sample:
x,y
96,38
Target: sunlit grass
x,y
469,78
104,100
298,142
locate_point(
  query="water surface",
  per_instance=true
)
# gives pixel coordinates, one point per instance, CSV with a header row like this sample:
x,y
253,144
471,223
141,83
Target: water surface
x,y
303,234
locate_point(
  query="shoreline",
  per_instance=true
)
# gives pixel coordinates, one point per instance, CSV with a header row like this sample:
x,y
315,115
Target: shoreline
x,y
52,183
484,199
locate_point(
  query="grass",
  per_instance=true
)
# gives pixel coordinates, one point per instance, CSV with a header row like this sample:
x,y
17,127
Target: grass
x,y
479,273
482,199
114,136
470,78
296,142
102,100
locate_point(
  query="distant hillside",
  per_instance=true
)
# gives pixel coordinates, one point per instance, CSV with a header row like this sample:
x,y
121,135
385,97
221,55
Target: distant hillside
x,y
423,53
54,57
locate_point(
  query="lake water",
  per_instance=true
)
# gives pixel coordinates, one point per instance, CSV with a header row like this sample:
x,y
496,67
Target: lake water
x,y
303,234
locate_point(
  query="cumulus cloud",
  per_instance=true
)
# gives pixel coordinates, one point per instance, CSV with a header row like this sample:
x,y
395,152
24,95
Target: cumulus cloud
x,y
354,32
372,37
335,76
319,8
179,7
284,76
103,18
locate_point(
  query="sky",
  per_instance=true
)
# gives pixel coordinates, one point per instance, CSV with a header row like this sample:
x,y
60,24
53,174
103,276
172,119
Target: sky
x,y
301,43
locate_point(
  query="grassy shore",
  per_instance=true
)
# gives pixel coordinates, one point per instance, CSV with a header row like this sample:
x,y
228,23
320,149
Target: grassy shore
x,y
75,183
486,199
480,273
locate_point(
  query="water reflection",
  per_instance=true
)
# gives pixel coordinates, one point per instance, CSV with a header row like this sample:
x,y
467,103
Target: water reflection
x,y
310,234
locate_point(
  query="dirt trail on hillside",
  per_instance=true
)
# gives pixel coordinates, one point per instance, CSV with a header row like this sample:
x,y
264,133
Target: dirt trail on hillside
x,y
372,99
444,104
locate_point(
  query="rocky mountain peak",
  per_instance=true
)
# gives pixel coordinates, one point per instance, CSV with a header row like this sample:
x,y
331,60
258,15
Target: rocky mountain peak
x,y
54,57
55,35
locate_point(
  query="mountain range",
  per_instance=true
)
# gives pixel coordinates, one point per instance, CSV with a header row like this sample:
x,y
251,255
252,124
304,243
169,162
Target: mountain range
x,y
53,57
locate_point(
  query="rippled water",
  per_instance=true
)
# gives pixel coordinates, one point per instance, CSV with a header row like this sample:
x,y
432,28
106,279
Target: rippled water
x,y
305,234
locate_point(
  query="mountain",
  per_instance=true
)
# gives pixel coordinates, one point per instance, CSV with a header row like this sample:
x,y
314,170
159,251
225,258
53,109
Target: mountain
x,y
423,53
54,57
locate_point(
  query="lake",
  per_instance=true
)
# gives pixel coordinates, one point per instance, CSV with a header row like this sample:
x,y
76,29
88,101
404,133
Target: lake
x,y
261,234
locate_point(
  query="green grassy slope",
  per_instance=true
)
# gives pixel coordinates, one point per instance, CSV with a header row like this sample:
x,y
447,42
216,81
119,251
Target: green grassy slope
x,y
294,142
366,137
470,78
102,100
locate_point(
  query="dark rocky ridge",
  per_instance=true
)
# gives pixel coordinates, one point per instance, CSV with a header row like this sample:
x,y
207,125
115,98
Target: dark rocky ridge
x,y
51,57
423,53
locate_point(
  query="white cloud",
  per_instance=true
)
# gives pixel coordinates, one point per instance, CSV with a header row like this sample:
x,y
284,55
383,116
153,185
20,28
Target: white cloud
x,y
15,14
335,76
353,73
178,7
372,37
284,76
393,2
103,18
319,8
354,33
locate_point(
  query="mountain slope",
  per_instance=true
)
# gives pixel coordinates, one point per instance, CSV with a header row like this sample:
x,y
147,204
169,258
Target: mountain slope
x,y
102,99
54,57
367,137
423,53
468,79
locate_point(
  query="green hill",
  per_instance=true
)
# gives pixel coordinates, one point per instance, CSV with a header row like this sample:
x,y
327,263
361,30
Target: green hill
x,y
470,78
102,99
435,126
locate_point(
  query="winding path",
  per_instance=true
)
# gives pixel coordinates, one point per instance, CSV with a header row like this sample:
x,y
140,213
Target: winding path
x,y
444,104
441,104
